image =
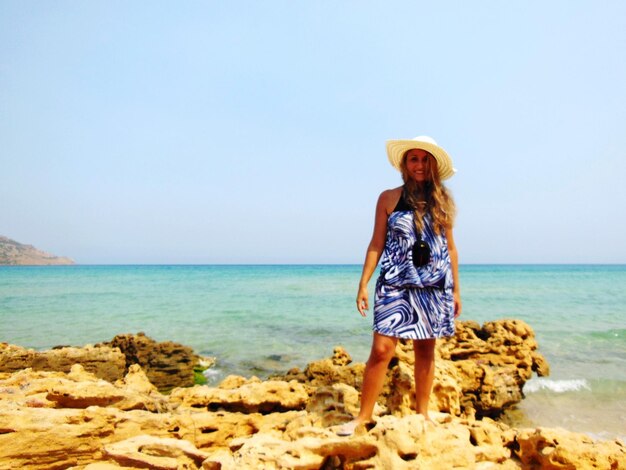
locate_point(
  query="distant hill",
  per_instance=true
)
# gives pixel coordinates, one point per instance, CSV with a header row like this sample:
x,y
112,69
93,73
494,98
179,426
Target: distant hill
x,y
14,253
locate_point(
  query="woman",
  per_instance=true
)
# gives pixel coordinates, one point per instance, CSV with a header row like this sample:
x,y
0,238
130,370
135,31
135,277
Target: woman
x,y
417,293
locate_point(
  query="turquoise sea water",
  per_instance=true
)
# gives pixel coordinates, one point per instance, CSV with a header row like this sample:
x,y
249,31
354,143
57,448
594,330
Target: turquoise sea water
x,y
263,319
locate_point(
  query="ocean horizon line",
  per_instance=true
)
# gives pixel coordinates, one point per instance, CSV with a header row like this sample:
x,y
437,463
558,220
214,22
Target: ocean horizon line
x,y
616,264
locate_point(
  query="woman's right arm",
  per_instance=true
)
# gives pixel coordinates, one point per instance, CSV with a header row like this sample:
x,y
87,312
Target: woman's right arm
x,y
375,248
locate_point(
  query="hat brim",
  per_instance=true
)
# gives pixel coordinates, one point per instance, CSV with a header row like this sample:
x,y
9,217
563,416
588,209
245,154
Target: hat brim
x,y
397,148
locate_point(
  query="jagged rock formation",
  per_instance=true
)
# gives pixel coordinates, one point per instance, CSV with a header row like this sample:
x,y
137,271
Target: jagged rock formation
x,y
167,364
58,420
15,253
102,361
480,371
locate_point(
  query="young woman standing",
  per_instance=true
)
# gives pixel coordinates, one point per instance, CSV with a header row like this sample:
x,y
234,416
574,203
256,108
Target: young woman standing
x,y
417,291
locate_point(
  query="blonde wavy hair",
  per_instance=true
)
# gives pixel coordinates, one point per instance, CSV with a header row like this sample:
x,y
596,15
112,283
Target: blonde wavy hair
x,y
430,197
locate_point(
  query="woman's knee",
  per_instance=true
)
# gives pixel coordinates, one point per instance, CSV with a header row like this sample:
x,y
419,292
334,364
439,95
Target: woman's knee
x,y
382,350
424,349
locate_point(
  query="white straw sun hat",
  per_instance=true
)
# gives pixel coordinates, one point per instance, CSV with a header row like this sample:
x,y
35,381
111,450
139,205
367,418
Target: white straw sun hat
x,y
397,148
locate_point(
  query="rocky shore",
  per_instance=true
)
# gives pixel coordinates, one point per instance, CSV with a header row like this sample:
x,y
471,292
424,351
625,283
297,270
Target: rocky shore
x,y
99,407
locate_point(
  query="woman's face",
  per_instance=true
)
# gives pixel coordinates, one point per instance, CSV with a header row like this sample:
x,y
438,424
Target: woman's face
x,y
418,165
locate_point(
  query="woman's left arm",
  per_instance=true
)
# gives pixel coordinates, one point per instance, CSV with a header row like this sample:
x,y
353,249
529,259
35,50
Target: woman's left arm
x,y
454,259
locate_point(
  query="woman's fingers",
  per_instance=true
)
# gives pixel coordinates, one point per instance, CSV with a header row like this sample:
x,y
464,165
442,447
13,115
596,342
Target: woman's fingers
x,y
362,304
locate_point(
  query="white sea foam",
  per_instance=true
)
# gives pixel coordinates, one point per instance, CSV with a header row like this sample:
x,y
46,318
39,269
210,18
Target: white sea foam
x,y
557,386
211,372
606,436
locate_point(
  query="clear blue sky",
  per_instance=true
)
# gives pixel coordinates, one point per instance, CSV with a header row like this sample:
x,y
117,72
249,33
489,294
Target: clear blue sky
x,y
247,131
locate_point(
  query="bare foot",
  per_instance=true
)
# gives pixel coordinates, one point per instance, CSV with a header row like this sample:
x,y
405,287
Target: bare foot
x,y
428,423
347,429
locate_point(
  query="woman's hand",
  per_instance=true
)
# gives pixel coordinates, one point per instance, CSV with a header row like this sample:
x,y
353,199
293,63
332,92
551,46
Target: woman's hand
x,y
362,303
454,260
386,202
457,304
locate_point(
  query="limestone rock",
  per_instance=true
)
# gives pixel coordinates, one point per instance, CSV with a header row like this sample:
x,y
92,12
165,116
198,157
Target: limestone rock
x,y
74,419
479,372
80,389
560,449
308,452
67,394
160,453
447,393
333,405
496,343
261,397
336,369
43,438
104,362
232,382
395,443
167,364
213,430
494,362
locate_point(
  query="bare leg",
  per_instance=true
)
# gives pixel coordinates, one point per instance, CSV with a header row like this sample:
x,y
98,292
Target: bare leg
x,y
424,374
383,349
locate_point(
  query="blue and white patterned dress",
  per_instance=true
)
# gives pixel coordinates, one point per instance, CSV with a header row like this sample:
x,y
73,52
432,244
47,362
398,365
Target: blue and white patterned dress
x,y
413,303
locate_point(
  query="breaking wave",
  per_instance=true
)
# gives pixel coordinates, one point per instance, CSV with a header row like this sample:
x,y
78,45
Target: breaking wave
x,y
556,386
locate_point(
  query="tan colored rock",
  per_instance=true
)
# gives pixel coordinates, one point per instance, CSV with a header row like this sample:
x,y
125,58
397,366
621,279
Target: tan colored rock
x,y
479,372
559,449
447,393
333,405
539,364
43,438
69,394
104,362
270,452
255,397
338,397
492,440
160,453
139,393
58,420
235,381
137,381
398,393
501,342
494,362
308,452
221,459
81,389
394,443
210,430
100,466
167,364
336,369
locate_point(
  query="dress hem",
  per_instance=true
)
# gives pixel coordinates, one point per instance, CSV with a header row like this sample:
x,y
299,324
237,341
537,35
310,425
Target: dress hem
x,y
391,335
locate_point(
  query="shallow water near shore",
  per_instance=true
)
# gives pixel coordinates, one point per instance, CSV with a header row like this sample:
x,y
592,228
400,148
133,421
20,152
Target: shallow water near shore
x,y
259,320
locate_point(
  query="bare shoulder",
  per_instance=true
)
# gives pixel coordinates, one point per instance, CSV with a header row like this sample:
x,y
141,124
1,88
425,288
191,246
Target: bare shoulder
x,y
389,199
